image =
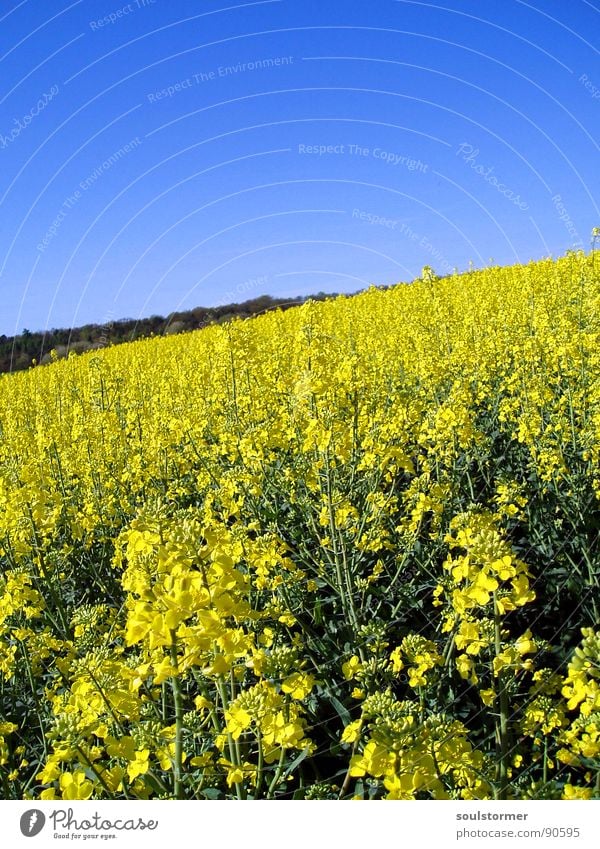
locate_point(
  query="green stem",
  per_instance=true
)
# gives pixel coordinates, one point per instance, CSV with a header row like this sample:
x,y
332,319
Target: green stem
x,y
42,564
277,776
93,768
233,752
348,777
341,565
502,741
259,767
38,710
177,701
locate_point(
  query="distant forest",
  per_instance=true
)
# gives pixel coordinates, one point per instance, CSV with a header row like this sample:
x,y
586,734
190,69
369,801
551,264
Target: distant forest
x,y
32,348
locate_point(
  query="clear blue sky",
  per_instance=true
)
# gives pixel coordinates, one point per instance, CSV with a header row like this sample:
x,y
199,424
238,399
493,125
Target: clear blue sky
x,y
162,155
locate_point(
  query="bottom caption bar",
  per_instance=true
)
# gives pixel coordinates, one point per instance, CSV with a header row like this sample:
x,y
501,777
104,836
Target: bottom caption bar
x,y
298,824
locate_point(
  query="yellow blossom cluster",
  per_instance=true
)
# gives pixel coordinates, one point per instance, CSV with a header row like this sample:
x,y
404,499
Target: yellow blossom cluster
x,y
346,549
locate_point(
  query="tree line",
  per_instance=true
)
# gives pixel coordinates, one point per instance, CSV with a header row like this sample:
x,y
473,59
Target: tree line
x,y
29,348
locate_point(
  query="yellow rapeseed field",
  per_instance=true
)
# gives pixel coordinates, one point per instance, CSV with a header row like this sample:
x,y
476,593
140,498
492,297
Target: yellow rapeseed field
x,y
350,550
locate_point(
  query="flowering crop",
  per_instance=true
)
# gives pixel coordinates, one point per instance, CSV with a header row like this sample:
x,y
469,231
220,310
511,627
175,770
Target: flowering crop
x,y
345,551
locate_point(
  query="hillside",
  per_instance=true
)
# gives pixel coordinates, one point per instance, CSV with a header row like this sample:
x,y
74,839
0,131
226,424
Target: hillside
x,y
20,352
348,550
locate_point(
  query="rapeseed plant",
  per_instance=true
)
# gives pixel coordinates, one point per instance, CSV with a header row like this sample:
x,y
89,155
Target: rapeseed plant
x,y
345,551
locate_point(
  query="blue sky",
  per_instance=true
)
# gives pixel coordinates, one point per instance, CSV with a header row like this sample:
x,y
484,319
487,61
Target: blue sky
x,y
162,155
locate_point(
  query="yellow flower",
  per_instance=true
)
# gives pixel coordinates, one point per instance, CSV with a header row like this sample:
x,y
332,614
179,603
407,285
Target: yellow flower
x,y
504,567
50,771
139,765
351,667
466,666
164,670
352,732
235,775
396,660
525,644
49,794
373,760
487,697
298,685
505,660
570,792
123,747
75,785
238,720
202,703
402,786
